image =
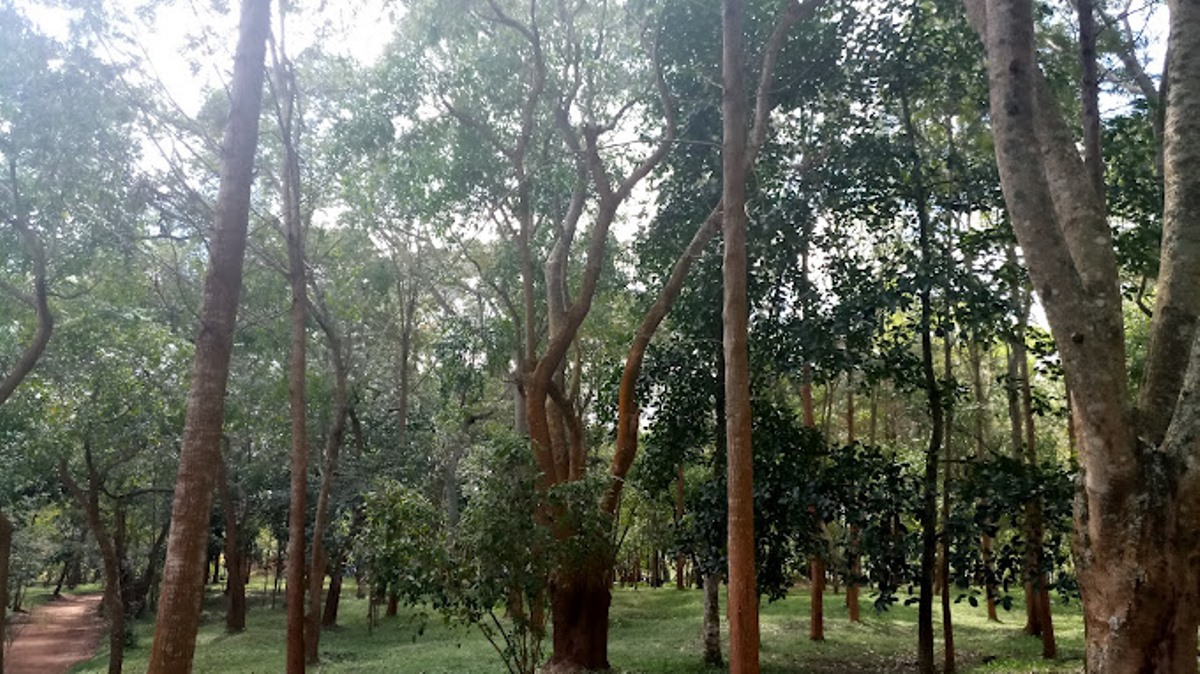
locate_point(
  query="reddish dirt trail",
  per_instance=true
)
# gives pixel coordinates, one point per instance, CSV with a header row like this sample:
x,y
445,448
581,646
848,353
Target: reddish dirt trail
x,y
59,634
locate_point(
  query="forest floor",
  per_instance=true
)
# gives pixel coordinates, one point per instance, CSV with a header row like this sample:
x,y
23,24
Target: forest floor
x,y
54,635
652,631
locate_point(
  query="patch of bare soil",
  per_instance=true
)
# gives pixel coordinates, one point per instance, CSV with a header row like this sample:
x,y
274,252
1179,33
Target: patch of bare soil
x,y
55,636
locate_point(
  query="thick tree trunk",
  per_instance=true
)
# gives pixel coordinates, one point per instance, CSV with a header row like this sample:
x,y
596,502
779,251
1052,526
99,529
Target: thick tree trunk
x,y
711,632
579,602
183,573
1136,543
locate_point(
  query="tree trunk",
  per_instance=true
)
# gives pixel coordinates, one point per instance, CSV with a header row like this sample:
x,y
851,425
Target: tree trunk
x,y
742,609
235,610
1136,543
183,578
6,533
680,559
816,629
285,86
929,510
947,475
1036,590
712,620
334,597
579,601
333,442
89,501
985,541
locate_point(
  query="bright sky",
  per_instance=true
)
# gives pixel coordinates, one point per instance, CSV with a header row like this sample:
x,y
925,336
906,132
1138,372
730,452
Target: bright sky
x,y
187,45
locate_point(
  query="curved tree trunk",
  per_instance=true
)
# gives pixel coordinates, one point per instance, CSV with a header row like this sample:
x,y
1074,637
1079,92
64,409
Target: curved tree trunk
x,y
183,578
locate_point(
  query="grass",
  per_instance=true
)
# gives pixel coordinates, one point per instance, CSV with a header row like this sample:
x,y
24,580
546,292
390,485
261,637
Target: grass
x,y
651,631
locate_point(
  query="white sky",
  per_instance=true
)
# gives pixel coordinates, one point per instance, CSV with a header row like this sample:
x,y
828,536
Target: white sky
x,y
187,45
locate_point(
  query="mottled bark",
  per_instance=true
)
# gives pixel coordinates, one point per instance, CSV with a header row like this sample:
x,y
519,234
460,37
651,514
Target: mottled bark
x,y
1136,544
183,573
711,633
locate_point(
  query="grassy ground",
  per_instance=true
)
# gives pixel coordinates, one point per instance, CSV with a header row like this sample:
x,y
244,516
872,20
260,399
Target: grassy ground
x,y
652,631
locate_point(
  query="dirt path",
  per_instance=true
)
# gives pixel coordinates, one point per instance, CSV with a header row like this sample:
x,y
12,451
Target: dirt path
x,y
58,634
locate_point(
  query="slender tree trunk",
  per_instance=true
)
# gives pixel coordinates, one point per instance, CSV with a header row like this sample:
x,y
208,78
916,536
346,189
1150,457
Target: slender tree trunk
x,y
985,542
235,611
6,533
680,559
1090,95
1038,589
947,475
333,442
334,597
742,607
929,509
89,501
853,543
297,374
712,620
816,572
183,577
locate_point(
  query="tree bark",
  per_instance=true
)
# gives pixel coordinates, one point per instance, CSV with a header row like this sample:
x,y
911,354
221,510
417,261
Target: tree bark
x,y
235,610
816,629
947,475
334,597
742,608
1136,544
580,600
333,442
985,542
297,370
183,574
6,533
89,501
712,620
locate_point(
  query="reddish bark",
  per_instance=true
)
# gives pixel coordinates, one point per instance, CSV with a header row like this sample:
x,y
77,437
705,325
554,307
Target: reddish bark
x,y
183,574
580,602
6,532
235,611
816,631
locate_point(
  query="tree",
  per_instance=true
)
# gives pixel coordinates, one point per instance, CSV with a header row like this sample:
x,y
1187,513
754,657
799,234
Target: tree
x,y
183,578
1134,539
742,607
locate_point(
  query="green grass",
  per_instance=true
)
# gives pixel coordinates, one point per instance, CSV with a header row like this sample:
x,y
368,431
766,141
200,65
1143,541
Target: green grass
x,y
652,631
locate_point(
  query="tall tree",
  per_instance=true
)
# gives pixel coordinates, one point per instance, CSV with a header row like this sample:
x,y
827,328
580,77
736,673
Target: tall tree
x,y
1135,539
742,606
183,579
